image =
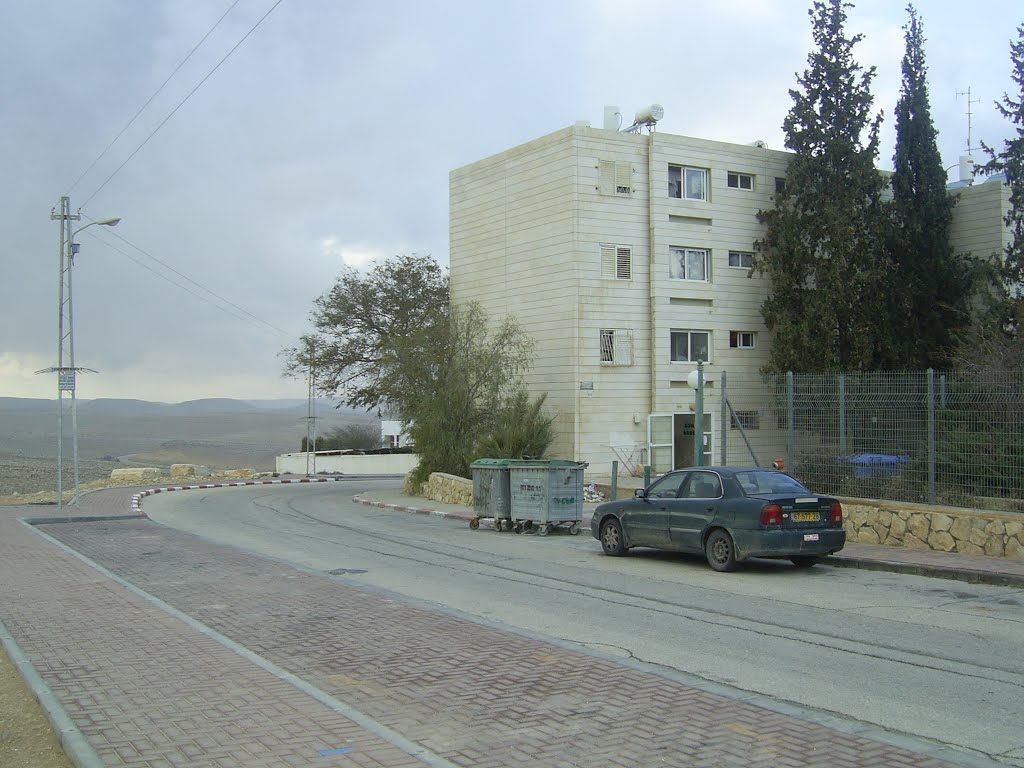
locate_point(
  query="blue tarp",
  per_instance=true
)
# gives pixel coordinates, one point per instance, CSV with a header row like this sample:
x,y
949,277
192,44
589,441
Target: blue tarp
x,y
875,464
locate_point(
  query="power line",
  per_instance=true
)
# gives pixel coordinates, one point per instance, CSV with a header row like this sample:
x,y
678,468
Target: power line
x,y
150,99
182,102
239,313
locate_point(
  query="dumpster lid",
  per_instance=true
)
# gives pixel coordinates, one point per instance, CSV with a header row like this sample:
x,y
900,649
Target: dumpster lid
x,y
491,463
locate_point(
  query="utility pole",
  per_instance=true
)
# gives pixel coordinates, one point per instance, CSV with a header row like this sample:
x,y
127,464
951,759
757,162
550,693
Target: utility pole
x,y
66,370
311,420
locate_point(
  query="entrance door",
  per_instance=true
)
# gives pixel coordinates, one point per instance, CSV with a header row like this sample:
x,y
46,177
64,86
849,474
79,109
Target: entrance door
x,y
661,442
684,453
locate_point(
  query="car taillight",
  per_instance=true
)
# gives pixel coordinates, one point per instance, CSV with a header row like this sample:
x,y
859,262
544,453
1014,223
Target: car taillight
x,y
771,514
837,514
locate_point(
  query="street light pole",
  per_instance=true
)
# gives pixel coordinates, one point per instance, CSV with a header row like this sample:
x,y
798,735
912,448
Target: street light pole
x,y
696,381
66,368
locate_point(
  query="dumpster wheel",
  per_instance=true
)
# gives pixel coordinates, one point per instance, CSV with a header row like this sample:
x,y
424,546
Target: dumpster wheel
x,y
543,530
497,523
574,529
474,523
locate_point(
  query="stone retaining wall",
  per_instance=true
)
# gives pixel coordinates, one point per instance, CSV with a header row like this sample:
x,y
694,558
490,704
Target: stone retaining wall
x,y
919,526
449,489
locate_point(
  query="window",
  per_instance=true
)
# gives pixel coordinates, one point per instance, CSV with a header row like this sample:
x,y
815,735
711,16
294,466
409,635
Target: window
x,y
667,487
745,419
616,262
780,185
616,177
740,180
742,339
687,183
688,264
690,346
702,485
741,259
616,346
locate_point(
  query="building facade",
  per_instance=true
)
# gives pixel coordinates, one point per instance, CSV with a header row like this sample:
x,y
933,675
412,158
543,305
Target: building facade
x,y
628,258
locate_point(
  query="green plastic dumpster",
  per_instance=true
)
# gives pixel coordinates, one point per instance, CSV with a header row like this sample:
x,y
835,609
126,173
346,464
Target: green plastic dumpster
x,y
491,494
547,494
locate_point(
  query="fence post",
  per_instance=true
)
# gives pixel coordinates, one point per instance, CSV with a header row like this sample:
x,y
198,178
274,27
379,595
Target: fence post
x,y
842,414
932,458
725,407
615,481
790,436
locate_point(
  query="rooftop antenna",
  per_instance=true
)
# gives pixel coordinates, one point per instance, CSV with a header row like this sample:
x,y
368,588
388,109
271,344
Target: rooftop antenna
x,y
970,115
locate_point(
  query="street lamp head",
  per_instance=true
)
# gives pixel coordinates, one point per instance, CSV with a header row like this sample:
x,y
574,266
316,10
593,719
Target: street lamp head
x,y
694,379
110,222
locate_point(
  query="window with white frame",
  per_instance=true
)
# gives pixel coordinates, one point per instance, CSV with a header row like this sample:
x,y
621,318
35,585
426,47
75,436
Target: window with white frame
x,y
741,259
690,346
740,180
742,339
616,346
616,262
616,177
687,183
688,264
745,419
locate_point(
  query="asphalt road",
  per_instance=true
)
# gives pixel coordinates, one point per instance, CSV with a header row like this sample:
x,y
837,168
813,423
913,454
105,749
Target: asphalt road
x,y
931,658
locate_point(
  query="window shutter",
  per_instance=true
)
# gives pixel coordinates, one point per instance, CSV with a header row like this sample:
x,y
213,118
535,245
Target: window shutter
x,y
616,262
624,347
624,263
623,178
615,178
608,269
606,177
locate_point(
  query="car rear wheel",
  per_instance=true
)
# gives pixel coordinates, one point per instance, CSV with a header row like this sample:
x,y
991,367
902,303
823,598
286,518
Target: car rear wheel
x,y
720,552
612,541
804,561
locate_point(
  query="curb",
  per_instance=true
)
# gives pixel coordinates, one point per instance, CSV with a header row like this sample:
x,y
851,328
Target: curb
x,y
992,578
71,738
452,515
138,497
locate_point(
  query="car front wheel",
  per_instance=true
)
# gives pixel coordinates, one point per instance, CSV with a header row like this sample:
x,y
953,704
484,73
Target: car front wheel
x,y
720,552
612,541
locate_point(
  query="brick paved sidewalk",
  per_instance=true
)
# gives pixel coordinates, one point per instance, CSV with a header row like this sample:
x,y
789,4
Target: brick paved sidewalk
x,y
148,689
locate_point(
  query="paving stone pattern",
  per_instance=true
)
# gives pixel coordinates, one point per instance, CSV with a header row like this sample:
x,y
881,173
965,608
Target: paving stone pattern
x,y
478,696
147,690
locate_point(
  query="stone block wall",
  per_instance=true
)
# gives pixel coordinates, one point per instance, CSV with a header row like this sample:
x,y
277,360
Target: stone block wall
x,y
919,526
449,489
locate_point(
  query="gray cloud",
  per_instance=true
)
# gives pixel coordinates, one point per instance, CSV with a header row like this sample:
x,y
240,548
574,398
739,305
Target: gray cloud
x,y
338,123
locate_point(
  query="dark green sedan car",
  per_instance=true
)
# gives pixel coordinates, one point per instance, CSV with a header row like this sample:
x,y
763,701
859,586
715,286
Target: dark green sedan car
x,y
727,513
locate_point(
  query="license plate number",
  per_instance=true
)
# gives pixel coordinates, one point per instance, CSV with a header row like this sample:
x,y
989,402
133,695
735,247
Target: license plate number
x,y
805,517
810,537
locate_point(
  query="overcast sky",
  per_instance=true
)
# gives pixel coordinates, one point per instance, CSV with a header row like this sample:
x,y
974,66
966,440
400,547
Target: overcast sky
x,y
327,137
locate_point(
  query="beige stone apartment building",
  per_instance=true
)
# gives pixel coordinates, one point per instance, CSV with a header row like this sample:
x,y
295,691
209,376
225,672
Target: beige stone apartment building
x,y
627,257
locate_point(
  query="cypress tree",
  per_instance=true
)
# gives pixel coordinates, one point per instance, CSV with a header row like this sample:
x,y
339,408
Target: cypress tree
x,y
1010,161
825,244
929,296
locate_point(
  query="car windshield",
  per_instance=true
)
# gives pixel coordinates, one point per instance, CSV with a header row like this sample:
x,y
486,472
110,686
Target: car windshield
x,y
757,482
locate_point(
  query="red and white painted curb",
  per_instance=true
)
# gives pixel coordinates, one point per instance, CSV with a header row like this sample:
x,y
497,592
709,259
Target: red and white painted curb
x,y
454,515
138,497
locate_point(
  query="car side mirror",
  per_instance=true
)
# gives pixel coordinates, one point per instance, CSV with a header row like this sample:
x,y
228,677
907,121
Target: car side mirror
x,y
640,493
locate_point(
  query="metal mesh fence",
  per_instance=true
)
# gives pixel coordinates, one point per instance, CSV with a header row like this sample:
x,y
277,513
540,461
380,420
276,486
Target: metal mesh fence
x,y
954,437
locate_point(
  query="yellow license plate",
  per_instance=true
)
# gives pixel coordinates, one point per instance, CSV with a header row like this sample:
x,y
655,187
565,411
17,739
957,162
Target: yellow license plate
x,y
805,517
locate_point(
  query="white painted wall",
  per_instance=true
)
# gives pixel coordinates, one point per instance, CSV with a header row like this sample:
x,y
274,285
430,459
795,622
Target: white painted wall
x,y
377,464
